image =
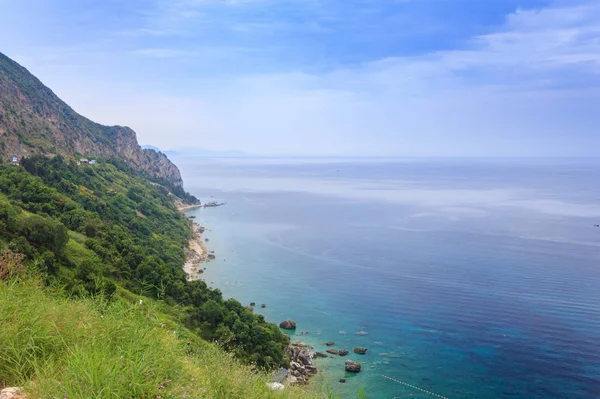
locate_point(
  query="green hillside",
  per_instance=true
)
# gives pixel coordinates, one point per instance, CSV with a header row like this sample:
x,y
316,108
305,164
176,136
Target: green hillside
x,y
118,349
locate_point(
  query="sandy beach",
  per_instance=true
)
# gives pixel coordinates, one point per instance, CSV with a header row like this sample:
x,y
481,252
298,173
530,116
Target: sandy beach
x,y
196,254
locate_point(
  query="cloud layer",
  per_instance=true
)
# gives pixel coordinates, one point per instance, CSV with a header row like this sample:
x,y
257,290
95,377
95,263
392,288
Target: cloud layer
x,y
323,78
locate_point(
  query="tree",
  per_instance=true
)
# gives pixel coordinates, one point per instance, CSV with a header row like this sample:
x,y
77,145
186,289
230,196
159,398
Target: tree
x,y
45,232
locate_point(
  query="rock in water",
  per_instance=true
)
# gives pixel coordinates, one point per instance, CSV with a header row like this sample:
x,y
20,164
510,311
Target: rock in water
x,y
360,351
361,333
342,380
288,325
330,343
352,366
333,351
264,305
343,352
253,304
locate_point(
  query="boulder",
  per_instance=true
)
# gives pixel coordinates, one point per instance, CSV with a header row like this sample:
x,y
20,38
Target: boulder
x,y
11,393
360,351
332,351
343,352
352,366
342,380
288,325
211,256
252,304
330,343
304,358
264,305
275,386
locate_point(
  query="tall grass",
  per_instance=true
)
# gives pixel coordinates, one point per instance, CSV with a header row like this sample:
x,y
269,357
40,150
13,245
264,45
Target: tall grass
x,y
87,348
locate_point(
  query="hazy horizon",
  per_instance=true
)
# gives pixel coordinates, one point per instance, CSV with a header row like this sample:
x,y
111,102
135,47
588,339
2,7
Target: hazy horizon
x,y
335,78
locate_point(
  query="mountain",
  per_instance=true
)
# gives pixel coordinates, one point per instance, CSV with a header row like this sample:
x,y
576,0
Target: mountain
x,y
33,120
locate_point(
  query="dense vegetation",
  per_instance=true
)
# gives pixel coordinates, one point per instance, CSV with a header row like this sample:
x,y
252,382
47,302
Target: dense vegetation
x,y
95,229
118,349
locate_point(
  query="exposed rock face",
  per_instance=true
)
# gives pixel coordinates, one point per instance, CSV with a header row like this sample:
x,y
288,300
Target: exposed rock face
x,y
352,366
360,351
35,121
301,363
288,325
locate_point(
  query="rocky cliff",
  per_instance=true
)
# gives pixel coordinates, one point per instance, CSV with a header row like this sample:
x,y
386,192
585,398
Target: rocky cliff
x,y
34,120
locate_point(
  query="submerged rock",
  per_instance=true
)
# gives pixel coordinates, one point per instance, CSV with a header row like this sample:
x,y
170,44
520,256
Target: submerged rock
x,y
288,324
352,366
360,351
361,333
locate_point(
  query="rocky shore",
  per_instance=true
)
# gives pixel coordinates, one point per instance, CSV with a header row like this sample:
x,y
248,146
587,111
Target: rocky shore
x,y
196,255
302,366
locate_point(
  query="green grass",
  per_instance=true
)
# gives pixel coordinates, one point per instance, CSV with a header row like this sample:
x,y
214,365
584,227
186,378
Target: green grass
x,y
77,252
88,348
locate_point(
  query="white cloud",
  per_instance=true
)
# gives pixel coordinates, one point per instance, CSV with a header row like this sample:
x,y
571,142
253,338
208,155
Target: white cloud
x,y
527,88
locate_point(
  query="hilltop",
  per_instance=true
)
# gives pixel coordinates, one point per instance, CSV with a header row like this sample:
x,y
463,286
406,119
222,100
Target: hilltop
x,y
33,120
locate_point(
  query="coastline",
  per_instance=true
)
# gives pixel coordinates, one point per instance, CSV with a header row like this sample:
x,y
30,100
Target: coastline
x,y
303,368
196,254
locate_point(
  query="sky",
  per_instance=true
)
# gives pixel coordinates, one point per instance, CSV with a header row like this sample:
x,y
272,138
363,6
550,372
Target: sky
x,y
324,77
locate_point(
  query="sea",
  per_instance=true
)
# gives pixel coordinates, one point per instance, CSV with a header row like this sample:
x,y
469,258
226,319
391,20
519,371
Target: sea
x,y
464,278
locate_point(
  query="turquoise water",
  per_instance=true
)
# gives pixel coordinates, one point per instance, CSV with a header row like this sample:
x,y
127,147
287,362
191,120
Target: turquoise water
x,y
473,279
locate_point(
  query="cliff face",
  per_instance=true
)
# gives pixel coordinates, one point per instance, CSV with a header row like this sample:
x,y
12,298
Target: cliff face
x,y
33,120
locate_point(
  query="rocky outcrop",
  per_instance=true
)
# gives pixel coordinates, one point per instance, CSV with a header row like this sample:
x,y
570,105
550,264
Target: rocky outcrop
x,y
35,121
352,366
12,393
288,324
360,351
301,363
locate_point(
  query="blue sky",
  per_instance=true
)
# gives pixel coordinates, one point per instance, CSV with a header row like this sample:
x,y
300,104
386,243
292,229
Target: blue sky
x,y
325,77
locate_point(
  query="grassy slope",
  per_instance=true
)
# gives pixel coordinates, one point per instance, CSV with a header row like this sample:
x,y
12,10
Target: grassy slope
x,y
62,348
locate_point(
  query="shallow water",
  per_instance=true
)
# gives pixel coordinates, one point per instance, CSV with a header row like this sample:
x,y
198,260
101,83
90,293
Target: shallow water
x,y
472,278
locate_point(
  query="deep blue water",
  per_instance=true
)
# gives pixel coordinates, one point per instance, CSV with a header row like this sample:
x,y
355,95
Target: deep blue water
x,y
472,278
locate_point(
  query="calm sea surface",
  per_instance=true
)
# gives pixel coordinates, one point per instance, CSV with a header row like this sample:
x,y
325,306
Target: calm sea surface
x,y
471,278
